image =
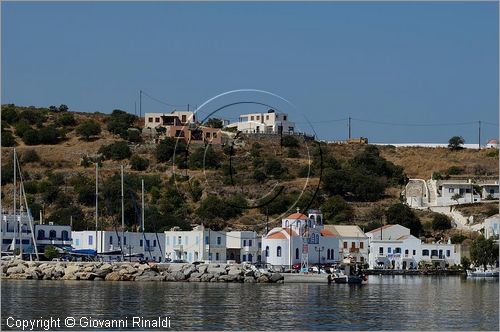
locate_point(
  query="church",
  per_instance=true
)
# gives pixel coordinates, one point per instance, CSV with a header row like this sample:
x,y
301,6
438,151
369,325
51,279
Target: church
x,y
302,240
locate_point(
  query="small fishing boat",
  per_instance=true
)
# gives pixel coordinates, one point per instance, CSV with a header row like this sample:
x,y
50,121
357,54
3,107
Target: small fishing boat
x,y
481,273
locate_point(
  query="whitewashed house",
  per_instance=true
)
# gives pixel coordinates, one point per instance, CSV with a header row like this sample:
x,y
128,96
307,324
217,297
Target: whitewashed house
x,y
392,246
149,245
177,118
447,189
492,227
199,244
353,242
492,143
271,122
51,234
490,190
243,246
300,235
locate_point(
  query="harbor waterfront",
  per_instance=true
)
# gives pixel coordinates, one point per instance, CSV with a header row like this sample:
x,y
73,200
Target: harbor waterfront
x,y
385,303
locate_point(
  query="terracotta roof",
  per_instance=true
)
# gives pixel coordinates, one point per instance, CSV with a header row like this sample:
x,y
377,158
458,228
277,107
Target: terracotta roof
x,y
492,141
328,233
281,233
297,215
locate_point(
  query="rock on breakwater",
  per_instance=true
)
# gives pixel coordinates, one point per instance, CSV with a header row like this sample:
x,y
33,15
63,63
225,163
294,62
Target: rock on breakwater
x,y
125,271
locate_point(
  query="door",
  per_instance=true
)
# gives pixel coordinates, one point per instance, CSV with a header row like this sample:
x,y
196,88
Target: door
x,y
404,265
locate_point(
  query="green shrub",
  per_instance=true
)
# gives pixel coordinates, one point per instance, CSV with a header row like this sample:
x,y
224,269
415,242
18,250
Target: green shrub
x,y
49,135
139,164
8,139
134,136
293,153
204,157
119,122
9,114
289,141
116,151
31,137
440,222
259,176
455,170
33,117
88,129
492,154
66,120
50,252
458,238
21,127
29,156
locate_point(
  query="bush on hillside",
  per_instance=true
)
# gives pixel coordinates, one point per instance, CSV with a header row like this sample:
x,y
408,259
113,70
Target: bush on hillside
x,y
88,129
116,151
289,141
29,156
66,120
8,139
31,137
119,122
403,215
441,222
9,114
139,164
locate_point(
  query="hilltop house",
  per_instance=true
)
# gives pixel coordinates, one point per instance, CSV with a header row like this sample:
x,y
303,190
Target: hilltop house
x,y
492,227
392,246
271,122
181,125
299,238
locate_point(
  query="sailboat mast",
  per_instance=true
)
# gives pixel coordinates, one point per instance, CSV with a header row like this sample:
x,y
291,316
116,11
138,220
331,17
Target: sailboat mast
x,y
142,223
15,206
96,201
123,219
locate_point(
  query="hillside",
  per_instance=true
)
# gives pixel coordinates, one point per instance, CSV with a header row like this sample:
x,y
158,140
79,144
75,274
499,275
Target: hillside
x,y
235,189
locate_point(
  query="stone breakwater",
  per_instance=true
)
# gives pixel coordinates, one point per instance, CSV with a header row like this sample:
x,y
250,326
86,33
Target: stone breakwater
x,y
124,271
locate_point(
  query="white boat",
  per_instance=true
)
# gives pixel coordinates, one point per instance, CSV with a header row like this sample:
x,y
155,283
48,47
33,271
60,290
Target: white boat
x,y
488,273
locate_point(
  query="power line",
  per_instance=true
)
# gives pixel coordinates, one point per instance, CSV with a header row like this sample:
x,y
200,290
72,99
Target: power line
x,y
161,101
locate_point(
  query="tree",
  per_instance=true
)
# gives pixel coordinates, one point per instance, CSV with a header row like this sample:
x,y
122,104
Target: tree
x,y
119,122
31,137
456,197
465,262
21,127
50,252
49,135
8,139
167,147
455,143
63,108
9,114
337,210
88,129
214,123
204,158
402,214
139,164
288,141
273,167
116,151
484,252
66,120
440,222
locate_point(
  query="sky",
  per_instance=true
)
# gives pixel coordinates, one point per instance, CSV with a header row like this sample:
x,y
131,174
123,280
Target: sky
x,y
388,66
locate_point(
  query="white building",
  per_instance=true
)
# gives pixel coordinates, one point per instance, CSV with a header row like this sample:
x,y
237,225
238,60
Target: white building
x,y
492,226
149,245
199,244
243,246
392,246
448,189
490,190
176,118
298,236
16,227
271,122
492,143
353,243
51,234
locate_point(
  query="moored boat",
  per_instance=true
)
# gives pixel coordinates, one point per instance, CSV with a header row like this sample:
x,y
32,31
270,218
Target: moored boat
x,y
488,273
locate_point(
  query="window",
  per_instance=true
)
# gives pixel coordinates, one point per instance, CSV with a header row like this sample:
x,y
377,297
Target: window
x,y
397,250
260,245
216,256
267,251
353,245
219,240
140,243
296,253
381,250
77,242
258,117
448,253
52,234
41,234
157,119
389,250
406,251
111,239
207,135
244,243
251,118
65,235
467,190
361,245
425,252
345,245
214,135
414,252
332,254
150,119
207,240
90,239
249,243
250,257
451,190
184,118
328,254
284,117
125,240
154,243
244,258
278,251
179,240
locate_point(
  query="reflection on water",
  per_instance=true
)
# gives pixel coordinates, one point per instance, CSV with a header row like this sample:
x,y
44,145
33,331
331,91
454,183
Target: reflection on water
x,y
386,303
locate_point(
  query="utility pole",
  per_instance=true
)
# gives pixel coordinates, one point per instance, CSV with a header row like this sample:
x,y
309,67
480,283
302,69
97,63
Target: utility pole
x,y
479,134
123,216
140,103
96,200
135,108
319,250
349,137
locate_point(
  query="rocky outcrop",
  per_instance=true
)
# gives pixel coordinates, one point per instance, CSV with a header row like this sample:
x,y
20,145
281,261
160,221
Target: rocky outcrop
x,y
125,271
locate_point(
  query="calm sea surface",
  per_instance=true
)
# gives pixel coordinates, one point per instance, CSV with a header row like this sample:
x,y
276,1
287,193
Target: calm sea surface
x,y
386,303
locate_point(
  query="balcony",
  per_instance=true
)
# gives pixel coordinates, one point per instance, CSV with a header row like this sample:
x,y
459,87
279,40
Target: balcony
x,y
55,239
353,250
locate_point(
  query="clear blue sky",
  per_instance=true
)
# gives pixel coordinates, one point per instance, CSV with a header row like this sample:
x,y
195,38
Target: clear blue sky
x,y
388,62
